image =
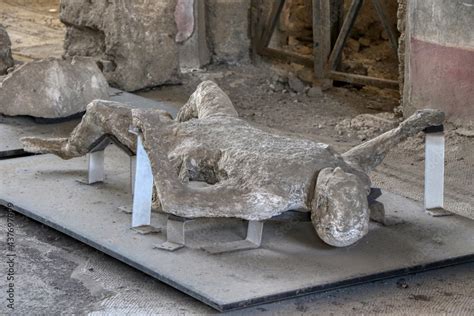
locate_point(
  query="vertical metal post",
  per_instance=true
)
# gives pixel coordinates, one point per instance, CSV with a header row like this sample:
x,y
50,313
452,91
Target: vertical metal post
x,y
254,232
143,187
434,171
133,171
252,241
96,168
175,234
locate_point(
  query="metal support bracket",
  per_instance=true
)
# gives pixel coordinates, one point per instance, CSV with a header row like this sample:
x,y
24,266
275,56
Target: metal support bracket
x,y
434,171
95,163
252,241
147,229
96,167
175,234
142,187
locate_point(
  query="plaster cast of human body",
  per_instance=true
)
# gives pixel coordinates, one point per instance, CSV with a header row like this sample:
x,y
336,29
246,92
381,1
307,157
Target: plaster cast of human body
x,y
208,162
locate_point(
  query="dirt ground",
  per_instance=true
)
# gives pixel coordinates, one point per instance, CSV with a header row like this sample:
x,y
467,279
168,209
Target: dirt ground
x,y
66,276
34,28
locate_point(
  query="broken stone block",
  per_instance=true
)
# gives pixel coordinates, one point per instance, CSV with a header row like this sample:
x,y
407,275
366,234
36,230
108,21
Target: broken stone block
x,y
296,84
208,162
135,38
6,60
52,88
315,92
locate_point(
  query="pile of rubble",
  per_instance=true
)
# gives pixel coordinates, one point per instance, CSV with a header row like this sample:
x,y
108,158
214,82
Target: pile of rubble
x,y
290,83
365,126
49,88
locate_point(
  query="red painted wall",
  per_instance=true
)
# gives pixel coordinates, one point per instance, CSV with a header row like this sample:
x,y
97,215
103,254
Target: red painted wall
x,y
442,77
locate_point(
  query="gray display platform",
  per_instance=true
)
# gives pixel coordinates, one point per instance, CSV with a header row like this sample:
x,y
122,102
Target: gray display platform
x,y
13,128
291,262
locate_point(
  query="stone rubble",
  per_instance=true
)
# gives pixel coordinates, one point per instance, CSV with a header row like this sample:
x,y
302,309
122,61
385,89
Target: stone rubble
x,y
6,59
123,37
52,88
366,126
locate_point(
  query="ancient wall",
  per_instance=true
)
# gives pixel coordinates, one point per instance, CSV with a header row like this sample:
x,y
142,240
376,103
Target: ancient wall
x,y
228,30
401,26
439,63
133,41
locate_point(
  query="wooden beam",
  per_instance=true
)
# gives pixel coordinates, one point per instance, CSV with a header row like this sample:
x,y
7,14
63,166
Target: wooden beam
x,y
286,56
329,38
363,80
327,19
258,23
389,28
269,28
344,34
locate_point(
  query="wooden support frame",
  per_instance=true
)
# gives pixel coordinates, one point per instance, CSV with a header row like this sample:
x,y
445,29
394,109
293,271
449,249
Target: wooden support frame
x,y
327,17
263,36
272,20
391,31
330,68
347,26
330,32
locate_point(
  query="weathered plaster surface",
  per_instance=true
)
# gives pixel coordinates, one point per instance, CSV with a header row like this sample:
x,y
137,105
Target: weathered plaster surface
x,y
134,40
228,30
208,162
440,57
52,88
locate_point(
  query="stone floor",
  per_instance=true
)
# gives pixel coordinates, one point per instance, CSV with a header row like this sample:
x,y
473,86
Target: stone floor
x,y
58,275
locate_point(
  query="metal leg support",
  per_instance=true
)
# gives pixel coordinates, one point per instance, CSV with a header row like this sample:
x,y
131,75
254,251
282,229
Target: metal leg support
x,y
434,172
175,234
143,190
96,167
253,240
95,163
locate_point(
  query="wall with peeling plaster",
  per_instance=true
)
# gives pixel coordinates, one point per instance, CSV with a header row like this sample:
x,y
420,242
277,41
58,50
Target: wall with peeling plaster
x,y
439,68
